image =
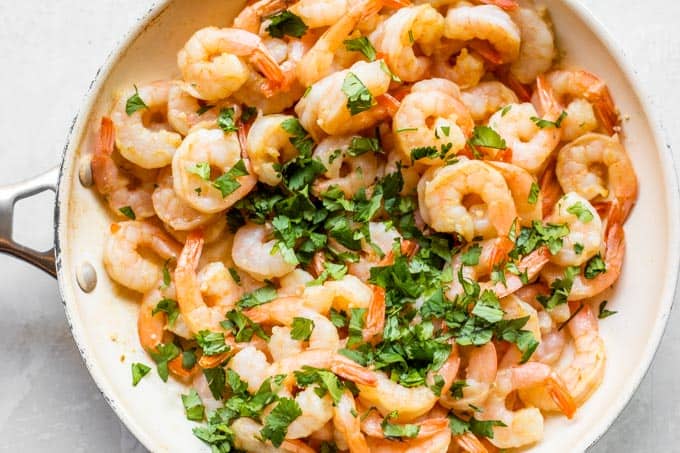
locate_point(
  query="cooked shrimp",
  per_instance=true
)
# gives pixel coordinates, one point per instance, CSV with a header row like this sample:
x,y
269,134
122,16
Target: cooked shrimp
x,y
320,13
211,62
281,345
316,412
324,110
531,145
487,28
583,374
221,152
437,443
585,230
171,209
461,65
319,358
486,99
250,18
524,426
398,35
122,258
372,425
318,62
253,252
597,167
586,99
537,48
409,402
143,137
349,173
521,183
295,283
479,376
247,437
443,191
432,115
195,310
251,365
185,111
269,147
348,423
116,186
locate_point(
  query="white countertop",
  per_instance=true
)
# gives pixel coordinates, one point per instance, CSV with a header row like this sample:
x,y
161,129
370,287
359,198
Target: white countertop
x,y
49,52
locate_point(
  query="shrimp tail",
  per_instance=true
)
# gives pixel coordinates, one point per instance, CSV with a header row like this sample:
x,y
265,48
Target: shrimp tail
x,y
352,371
561,396
396,4
604,106
470,443
389,103
296,446
487,51
375,318
266,64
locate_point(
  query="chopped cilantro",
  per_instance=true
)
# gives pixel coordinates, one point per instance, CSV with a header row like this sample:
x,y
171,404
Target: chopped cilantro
x,y
486,137
163,354
139,370
225,120
248,114
200,169
362,45
579,210
594,267
423,151
505,110
301,329
242,327
169,307
393,431
128,212
277,422
359,99
258,297
481,428
471,256
603,312
361,145
543,124
533,193
134,103
326,380
560,289
193,406
578,248
212,343
286,23
227,183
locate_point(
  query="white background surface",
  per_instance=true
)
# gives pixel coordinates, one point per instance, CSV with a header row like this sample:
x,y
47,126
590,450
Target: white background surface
x,y
49,52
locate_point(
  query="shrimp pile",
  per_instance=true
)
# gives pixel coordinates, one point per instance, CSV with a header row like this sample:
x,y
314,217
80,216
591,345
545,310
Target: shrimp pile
x,y
370,225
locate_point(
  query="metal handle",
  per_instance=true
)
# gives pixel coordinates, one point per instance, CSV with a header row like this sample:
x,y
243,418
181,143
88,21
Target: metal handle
x,y
9,195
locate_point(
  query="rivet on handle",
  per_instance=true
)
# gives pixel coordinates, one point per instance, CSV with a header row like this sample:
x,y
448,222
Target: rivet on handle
x,y
85,172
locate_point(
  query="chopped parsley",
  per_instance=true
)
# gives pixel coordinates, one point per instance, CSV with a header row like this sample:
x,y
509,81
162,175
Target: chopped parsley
x,y
134,103
394,431
200,169
560,289
128,212
169,307
603,312
212,343
579,210
594,267
544,124
227,182
533,193
359,99
277,422
139,370
327,381
362,45
362,145
286,23
301,329
480,428
486,137
162,355
258,297
193,406
423,152
225,120
242,327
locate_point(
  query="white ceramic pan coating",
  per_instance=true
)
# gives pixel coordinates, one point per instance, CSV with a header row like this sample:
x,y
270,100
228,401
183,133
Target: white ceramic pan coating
x,y
103,317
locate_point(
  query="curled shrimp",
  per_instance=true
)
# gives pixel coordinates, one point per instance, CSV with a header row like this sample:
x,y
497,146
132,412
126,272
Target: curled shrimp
x,y
348,424
185,111
122,258
494,251
480,374
597,167
211,62
398,36
317,63
319,358
323,111
487,29
171,209
194,308
432,115
371,425
143,137
349,173
521,183
585,230
409,402
583,374
524,426
443,191
537,48
269,146
247,437
486,99
531,145
615,250
439,441
117,187
253,252
221,152
461,65
587,101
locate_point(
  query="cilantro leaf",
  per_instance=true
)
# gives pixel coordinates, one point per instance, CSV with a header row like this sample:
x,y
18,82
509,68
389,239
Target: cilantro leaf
x,y
594,267
543,124
362,145
193,406
128,212
169,307
225,120
258,297
243,327
286,23
471,256
603,312
488,307
162,355
134,103
359,99
212,343
579,210
227,182
277,422
216,378
486,137
301,329
481,428
392,430
326,380
362,45
167,279
300,138
201,169
423,151
139,370
533,193
560,289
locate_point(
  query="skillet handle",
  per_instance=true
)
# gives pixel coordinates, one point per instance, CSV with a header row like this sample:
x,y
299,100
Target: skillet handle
x,y
9,195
